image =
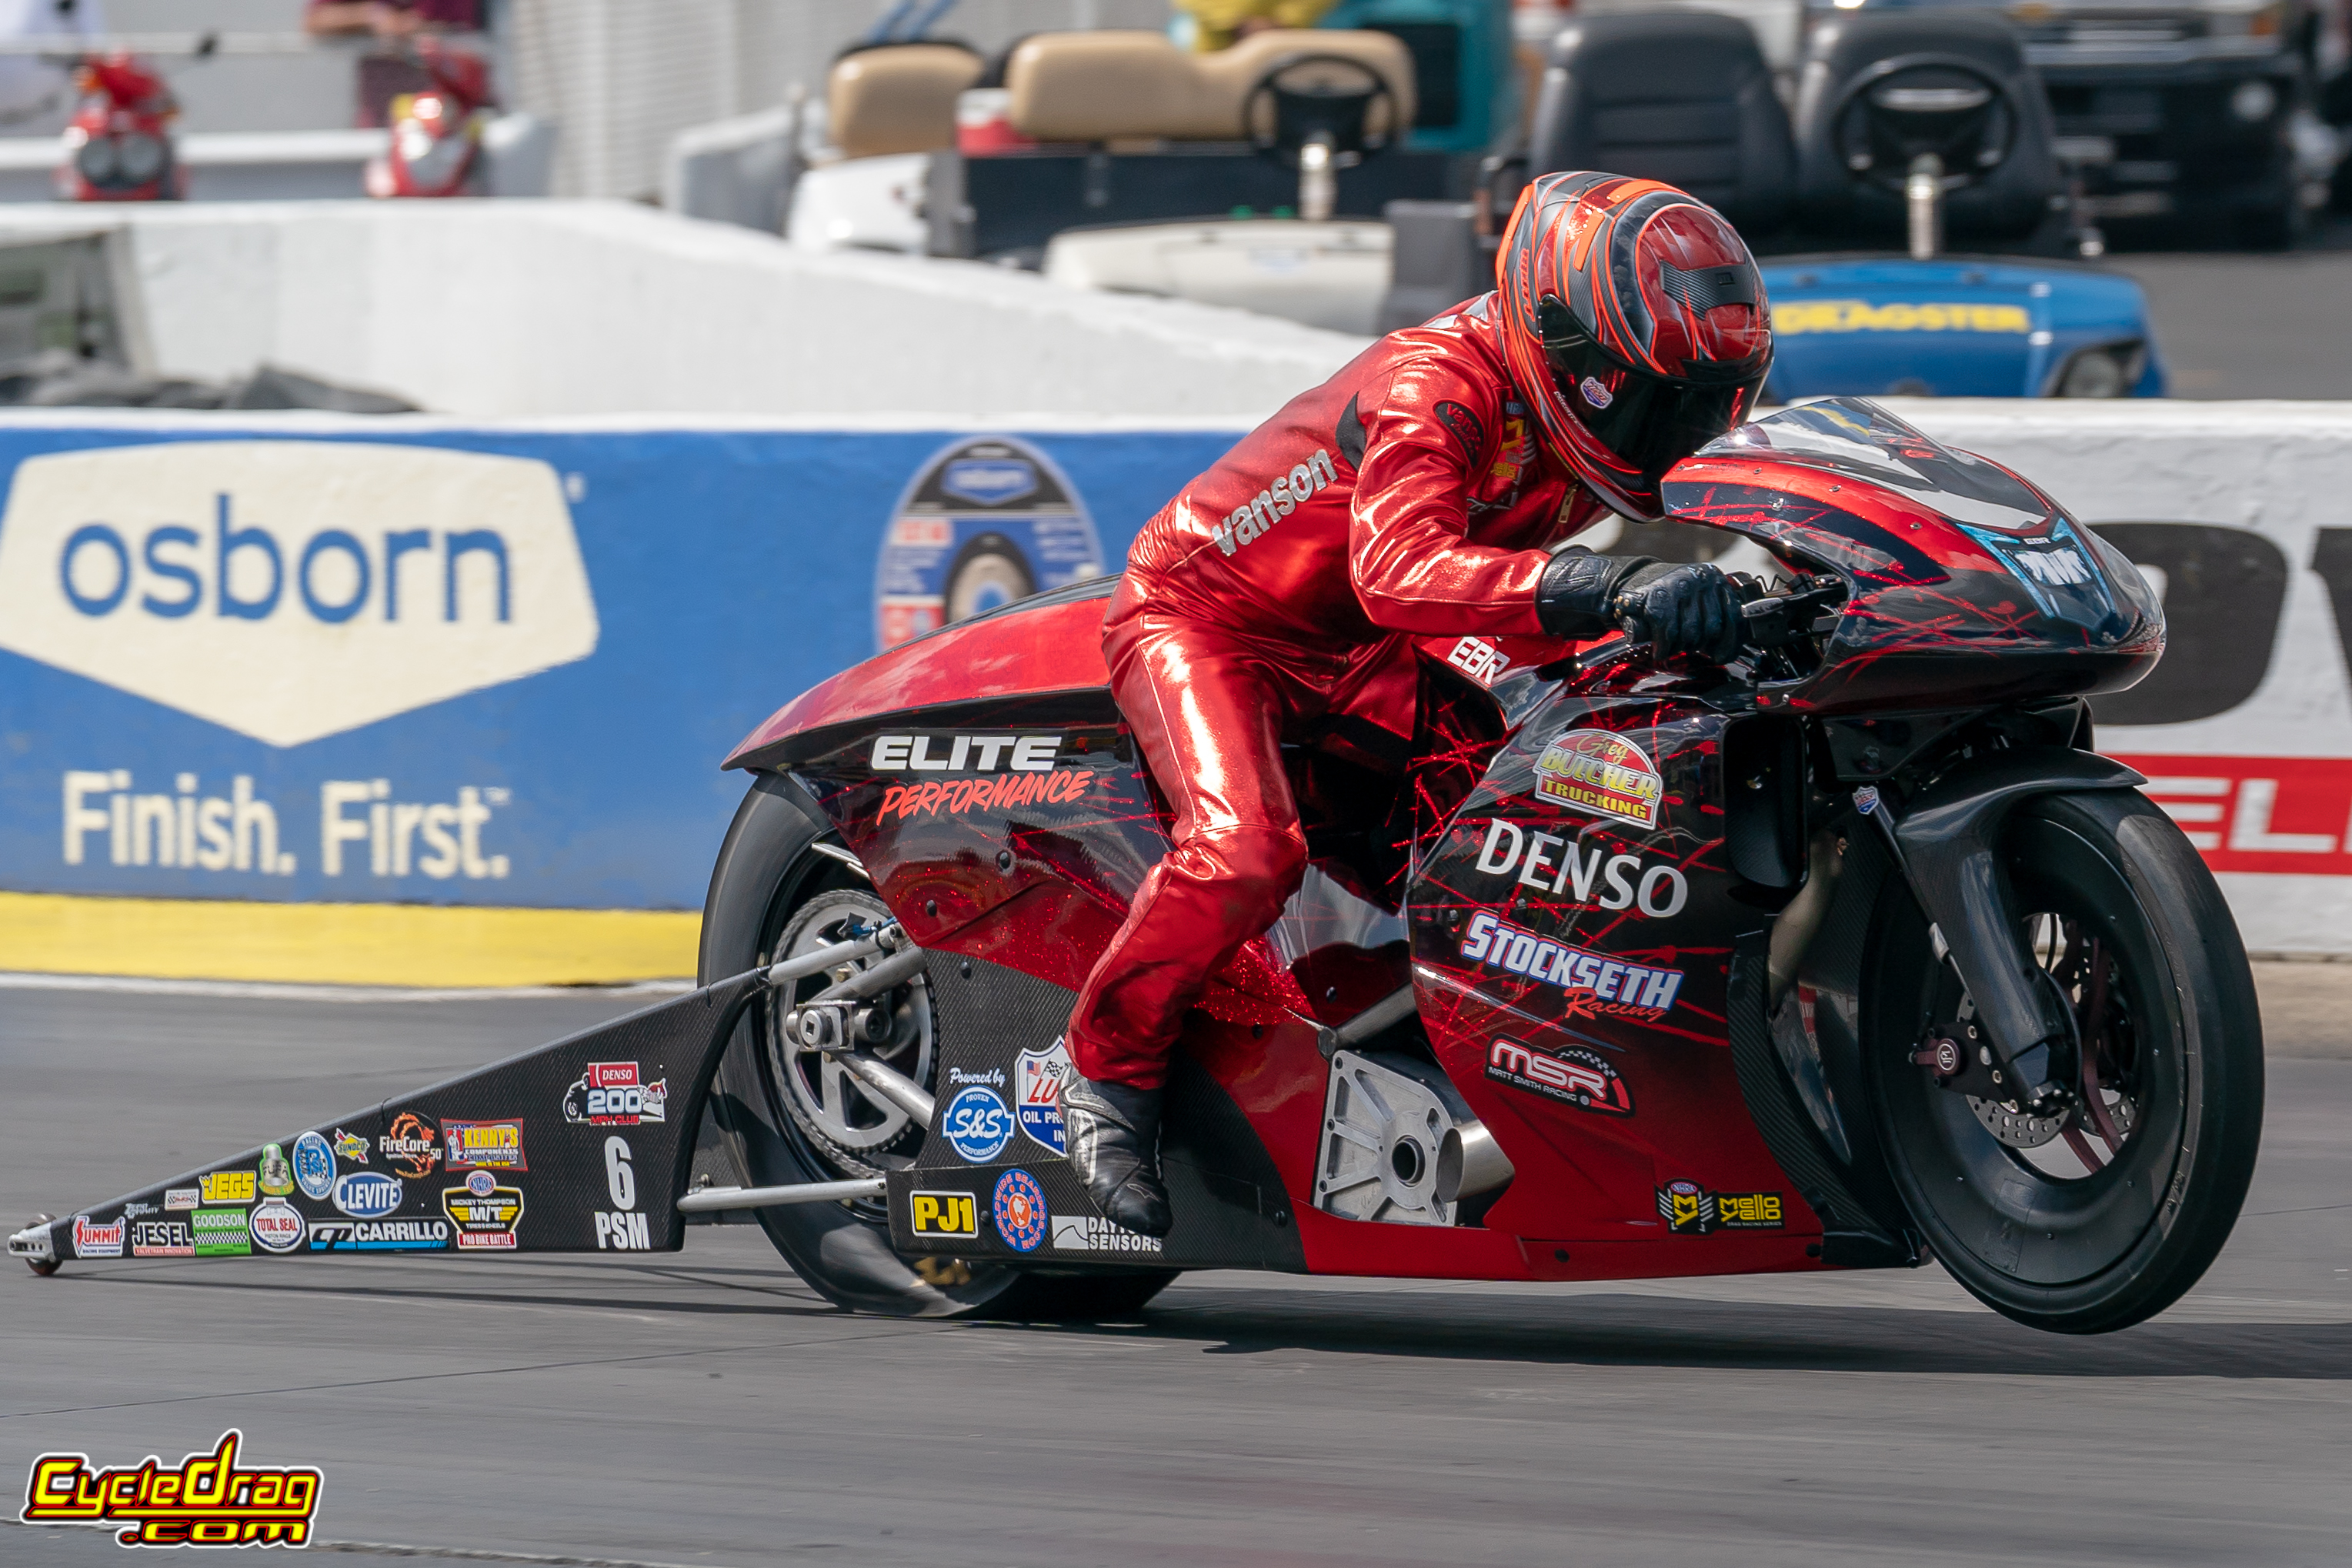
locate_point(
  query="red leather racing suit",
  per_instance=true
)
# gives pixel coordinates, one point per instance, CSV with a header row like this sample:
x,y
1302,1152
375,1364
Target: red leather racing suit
x,y
1406,496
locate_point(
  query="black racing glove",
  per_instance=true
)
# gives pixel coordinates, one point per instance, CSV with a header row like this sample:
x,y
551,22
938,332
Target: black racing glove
x,y
1576,597
1682,609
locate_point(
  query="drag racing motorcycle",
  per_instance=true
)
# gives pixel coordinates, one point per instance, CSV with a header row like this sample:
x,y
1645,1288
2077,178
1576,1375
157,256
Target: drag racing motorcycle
x,y
1846,955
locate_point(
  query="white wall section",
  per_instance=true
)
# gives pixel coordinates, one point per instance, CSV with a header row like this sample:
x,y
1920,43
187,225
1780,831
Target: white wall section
x,y
498,309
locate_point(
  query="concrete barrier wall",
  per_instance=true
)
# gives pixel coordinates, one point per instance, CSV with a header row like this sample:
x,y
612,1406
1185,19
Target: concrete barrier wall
x,y
496,310
317,658
2242,511
304,658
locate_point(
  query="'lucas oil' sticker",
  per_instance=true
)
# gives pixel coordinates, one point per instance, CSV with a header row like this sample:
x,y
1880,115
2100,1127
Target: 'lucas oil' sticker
x,y
1594,771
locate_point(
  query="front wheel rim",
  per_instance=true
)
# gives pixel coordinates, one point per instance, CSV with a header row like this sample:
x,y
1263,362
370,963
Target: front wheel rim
x,y
2042,1217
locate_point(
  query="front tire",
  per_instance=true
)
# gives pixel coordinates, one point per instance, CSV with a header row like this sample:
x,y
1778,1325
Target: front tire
x,y
2102,1218
769,888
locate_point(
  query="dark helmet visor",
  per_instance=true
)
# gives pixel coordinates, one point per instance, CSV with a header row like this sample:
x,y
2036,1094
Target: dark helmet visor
x,y
1649,421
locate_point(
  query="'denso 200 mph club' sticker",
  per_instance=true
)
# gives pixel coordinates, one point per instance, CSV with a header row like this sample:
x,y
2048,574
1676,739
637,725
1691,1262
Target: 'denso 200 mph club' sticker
x,y
984,523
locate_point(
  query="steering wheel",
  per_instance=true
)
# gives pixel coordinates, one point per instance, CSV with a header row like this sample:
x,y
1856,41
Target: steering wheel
x,y
1946,105
1327,97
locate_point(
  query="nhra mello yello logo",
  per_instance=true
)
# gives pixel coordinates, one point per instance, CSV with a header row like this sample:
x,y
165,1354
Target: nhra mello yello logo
x,y
289,590
1605,774
205,1499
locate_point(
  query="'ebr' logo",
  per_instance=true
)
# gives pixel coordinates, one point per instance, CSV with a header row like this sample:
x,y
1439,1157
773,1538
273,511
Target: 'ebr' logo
x,y
289,590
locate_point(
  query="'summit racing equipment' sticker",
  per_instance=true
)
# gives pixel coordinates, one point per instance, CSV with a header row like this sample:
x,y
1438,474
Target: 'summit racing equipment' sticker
x,y
1595,982
1594,770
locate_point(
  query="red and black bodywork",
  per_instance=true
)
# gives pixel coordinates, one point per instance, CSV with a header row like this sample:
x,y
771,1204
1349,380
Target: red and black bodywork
x,y
1579,877
1648,1134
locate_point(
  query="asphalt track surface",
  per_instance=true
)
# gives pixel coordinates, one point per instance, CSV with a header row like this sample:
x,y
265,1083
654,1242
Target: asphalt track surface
x,y
2234,325
705,1408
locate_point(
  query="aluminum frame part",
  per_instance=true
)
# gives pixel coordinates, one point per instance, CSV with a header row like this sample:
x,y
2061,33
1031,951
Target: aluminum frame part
x,y
1400,1146
891,1085
1393,1008
35,1243
720,1200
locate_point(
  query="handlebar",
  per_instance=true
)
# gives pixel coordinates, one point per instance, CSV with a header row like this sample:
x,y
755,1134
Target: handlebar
x,y
1767,622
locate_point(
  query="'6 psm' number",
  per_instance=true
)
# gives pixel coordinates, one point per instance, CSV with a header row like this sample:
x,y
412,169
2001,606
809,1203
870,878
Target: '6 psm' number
x,y
619,1174
622,1229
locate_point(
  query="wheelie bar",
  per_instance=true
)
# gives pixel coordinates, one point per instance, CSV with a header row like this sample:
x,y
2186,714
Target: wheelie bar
x,y
583,1145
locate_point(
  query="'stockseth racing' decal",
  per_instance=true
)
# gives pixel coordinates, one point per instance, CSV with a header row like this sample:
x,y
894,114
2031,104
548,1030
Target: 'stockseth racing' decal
x,y
1595,982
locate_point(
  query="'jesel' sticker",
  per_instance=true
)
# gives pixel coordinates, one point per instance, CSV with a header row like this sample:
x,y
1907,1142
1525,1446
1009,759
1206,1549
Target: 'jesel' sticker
x,y
1594,770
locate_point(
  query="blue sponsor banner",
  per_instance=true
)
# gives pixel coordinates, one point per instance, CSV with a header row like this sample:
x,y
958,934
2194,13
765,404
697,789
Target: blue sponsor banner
x,y
309,658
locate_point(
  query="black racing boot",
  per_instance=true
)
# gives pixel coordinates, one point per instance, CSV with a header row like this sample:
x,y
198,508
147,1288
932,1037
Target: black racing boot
x,y
1113,1134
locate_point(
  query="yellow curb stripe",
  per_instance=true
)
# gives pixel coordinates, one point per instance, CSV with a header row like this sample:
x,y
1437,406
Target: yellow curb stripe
x,y
343,944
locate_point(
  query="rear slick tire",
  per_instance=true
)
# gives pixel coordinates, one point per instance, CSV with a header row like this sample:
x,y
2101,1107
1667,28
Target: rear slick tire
x,y
766,872
2097,1241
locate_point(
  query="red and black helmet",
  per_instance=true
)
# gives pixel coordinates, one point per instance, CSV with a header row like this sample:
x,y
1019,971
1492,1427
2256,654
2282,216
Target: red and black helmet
x,y
1635,322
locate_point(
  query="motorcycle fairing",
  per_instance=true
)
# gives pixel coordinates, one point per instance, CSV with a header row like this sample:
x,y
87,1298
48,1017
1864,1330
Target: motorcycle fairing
x,y
1968,586
1047,647
1588,902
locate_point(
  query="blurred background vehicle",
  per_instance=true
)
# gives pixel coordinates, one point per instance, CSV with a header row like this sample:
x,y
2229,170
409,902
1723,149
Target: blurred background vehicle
x,y
1337,164
120,145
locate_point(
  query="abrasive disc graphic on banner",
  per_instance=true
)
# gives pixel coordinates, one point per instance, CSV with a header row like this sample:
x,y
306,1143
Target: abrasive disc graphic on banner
x,y
986,522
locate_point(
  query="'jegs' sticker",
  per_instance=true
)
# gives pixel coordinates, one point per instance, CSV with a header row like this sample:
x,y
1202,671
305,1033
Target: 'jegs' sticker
x,y
1606,774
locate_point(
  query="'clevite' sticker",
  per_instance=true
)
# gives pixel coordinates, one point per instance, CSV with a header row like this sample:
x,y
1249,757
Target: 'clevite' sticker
x,y
1606,774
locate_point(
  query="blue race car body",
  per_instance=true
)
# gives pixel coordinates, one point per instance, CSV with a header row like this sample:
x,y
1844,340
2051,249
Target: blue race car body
x,y
1956,327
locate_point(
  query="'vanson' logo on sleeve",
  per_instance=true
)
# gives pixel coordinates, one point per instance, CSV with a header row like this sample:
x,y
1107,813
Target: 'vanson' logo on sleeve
x,y
1275,502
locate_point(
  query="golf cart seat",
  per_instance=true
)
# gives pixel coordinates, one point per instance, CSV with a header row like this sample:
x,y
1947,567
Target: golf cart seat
x,y
1121,128
1879,90
885,99
1119,86
1679,96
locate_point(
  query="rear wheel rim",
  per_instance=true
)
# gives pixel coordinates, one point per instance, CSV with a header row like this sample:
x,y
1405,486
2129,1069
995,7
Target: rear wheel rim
x,y
859,1132
801,926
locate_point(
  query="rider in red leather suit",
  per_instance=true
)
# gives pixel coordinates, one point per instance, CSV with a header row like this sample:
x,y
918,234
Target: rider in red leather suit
x,y
1416,492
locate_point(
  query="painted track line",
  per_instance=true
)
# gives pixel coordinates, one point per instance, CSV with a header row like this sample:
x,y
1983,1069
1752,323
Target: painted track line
x,y
276,991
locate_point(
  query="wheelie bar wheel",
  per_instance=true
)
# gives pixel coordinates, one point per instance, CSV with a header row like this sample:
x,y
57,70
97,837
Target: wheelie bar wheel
x,y
2099,1215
